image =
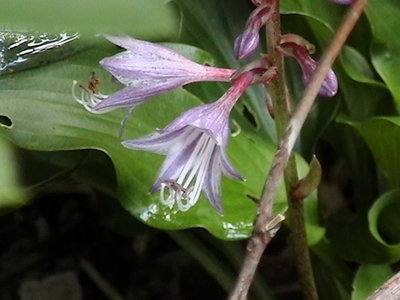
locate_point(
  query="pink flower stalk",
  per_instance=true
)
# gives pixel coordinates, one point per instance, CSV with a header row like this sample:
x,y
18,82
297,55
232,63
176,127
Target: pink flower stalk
x,y
342,2
195,146
295,46
147,69
248,41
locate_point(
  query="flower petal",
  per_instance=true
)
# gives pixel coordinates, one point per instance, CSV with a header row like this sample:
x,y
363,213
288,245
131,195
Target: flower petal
x,y
162,142
135,95
330,85
173,165
147,49
126,66
212,183
228,169
246,44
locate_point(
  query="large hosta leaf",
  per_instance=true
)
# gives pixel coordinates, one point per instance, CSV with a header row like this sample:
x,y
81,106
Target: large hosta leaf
x,y
138,17
45,117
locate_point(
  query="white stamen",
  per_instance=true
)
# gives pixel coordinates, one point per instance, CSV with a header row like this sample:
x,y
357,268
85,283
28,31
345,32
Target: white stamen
x,y
89,99
170,199
185,191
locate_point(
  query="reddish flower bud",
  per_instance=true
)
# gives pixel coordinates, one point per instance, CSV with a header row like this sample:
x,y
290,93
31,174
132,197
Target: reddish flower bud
x,y
248,41
295,46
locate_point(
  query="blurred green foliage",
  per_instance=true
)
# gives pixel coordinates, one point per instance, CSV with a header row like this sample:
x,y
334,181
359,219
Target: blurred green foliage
x,y
142,18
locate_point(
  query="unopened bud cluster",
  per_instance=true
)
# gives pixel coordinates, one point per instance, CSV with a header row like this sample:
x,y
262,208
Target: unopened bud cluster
x,y
291,45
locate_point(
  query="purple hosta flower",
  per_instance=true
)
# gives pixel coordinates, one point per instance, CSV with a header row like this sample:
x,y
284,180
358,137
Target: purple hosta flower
x,y
148,69
295,46
248,41
195,146
342,2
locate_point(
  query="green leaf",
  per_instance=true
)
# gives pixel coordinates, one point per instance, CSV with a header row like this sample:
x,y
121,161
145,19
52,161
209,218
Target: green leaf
x,y
364,239
368,279
333,276
138,17
385,49
355,236
351,239
383,220
12,196
381,134
357,67
324,12
45,117
24,50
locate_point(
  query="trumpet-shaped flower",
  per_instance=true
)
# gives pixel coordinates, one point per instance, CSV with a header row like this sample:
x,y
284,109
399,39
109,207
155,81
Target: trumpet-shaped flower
x,y
295,46
195,146
147,69
248,41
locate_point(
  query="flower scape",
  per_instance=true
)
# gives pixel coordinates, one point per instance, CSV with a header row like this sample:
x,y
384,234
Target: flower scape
x,y
195,143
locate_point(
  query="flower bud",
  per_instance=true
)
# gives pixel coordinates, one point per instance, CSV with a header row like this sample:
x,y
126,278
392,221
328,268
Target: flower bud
x,y
248,41
295,46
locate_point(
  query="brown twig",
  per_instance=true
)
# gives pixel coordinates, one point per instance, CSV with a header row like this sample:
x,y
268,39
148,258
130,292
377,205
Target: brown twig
x,y
282,108
390,290
262,234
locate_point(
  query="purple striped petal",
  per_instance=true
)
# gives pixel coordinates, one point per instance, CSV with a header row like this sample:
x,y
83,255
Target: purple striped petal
x,y
140,92
147,49
248,41
228,169
127,66
173,166
329,86
246,44
160,143
212,183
